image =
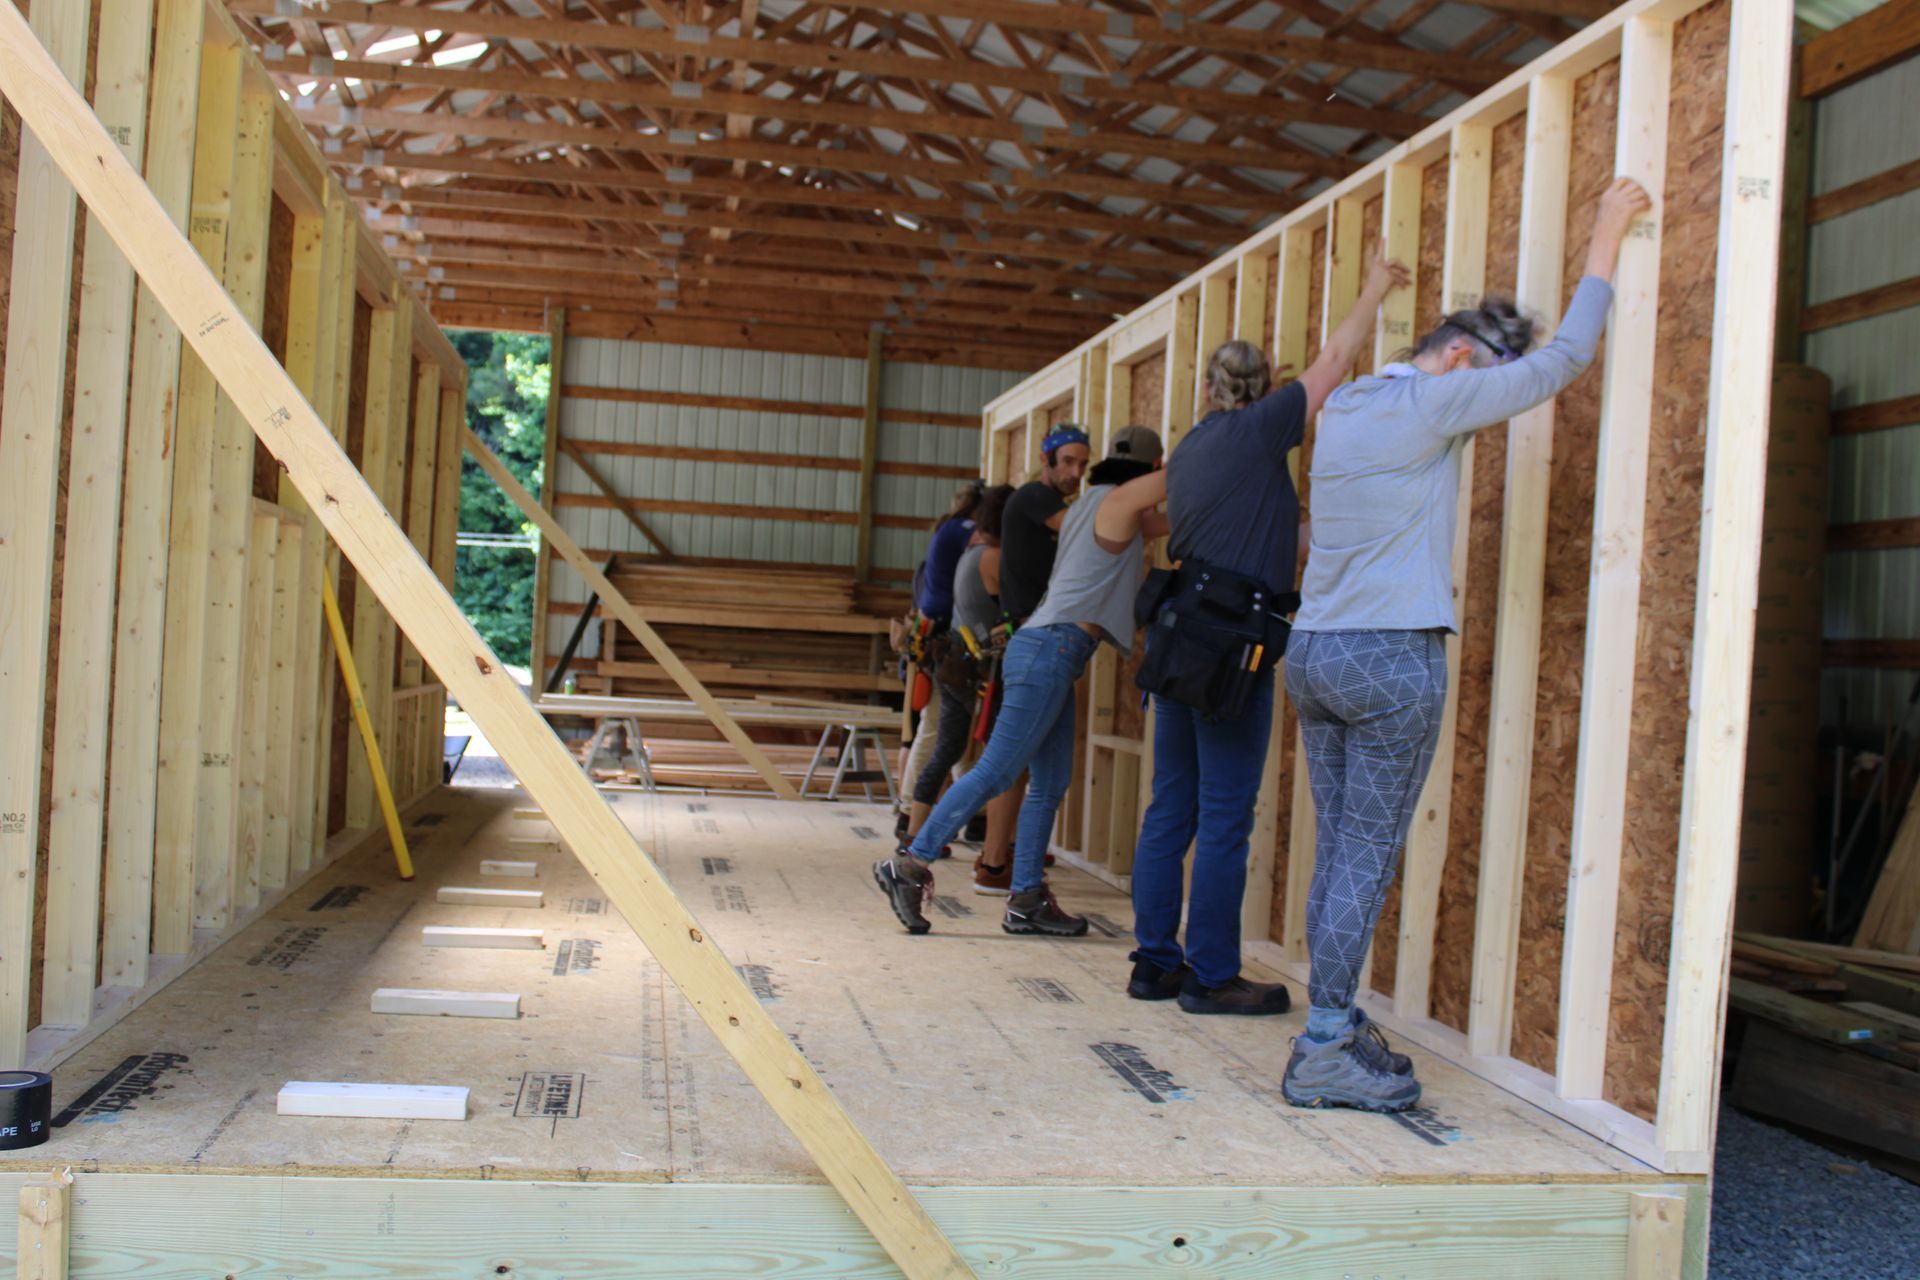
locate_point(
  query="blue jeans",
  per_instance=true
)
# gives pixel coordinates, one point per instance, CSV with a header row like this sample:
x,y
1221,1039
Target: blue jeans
x,y
1034,731
1206,777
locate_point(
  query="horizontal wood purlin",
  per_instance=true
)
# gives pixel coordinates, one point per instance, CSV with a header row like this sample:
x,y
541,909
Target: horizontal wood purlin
x,y
703,331
757,404
1874,535
1864,193
1876,39
802,462
1864,305
1898,655
1881,415
676,506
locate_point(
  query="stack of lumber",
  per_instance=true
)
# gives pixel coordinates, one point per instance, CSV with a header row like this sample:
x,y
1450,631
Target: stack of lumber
x,y
1892,922
758,630
1831,1042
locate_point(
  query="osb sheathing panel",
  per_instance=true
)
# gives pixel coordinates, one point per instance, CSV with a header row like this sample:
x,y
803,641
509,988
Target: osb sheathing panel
x,y
1147,403
273,330
1369,242
1430,275
1477,604
1563,622
1669,565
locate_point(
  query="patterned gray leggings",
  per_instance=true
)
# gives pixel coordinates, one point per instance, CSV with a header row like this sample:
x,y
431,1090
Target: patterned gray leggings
x,y
1369,704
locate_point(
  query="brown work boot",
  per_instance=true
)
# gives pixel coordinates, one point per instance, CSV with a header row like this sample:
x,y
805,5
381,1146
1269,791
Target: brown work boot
x,y
1037,912
994,882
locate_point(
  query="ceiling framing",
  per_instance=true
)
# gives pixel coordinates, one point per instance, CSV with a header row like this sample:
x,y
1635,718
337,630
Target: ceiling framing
x,y
999,177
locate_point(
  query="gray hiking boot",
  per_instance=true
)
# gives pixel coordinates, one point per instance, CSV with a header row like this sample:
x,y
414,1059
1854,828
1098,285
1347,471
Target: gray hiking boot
x,y
908,884
1340,1074
1371,1043
1037,912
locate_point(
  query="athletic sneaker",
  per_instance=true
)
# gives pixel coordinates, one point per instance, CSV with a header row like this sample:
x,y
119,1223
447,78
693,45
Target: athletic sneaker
x,y
994,882
1235,995
1339,1074
1037,912
1151,982
1371,1043
908,886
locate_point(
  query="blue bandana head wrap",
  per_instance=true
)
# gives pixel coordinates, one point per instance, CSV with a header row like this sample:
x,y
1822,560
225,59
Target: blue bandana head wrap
x,y
1060,437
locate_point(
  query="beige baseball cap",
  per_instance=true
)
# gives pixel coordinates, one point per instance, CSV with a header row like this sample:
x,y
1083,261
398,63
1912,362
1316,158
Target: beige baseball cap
x,y
1136,444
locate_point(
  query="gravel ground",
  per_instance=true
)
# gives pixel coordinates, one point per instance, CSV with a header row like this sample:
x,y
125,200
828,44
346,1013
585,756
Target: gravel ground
x,y
1785,1208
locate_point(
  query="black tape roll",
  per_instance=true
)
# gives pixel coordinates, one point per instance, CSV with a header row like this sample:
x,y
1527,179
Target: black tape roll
x,y
26,1108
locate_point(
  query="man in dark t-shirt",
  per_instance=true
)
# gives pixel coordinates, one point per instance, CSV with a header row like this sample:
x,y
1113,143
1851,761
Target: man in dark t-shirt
x,y
1030,527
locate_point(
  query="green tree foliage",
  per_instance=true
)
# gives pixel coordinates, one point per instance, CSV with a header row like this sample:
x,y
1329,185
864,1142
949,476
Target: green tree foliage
x,y
507,383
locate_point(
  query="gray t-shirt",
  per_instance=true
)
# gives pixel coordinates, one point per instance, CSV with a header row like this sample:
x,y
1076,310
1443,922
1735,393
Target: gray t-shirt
x,y
1386,476
973,606
1230,497
1091,584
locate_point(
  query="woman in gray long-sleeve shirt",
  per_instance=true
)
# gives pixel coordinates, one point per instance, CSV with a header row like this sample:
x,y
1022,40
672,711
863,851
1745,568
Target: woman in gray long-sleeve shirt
x,y
1366,664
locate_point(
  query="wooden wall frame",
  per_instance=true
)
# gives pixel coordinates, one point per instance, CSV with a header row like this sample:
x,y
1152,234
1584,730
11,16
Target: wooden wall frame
x,y
1637,42
349,505
189,754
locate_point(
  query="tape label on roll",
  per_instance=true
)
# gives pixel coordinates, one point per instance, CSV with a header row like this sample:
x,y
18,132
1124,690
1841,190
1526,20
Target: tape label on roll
x,y
136,1079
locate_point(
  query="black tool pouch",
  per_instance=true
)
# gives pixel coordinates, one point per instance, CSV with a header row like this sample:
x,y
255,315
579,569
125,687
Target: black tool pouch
x,y
1211,635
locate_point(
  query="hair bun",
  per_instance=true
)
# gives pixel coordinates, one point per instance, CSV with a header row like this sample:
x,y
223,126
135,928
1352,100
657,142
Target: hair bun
x,y
1503,317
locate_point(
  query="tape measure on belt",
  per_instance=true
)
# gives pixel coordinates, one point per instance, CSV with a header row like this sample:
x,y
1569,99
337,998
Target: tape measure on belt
x,y
26,1109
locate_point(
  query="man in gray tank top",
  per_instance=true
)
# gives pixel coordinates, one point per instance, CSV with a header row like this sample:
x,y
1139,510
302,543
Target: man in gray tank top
x,y
1089,600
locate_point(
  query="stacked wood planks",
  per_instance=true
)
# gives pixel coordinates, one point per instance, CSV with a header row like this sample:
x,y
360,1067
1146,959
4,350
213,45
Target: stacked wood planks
x,y
751,631
1831,1041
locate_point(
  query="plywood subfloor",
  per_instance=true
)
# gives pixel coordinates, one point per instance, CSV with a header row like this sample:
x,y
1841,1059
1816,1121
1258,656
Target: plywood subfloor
x,y
968,1056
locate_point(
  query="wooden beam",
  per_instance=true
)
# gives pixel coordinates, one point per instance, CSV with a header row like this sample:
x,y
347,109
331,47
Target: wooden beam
x,y
446,498
805,55
1179,376
426,444
389,566
754,458
1400,231
146,514
218,885
869,455
1865,193
41,1242
1213,325
1512,699
309,363
281,798
1874,535
179,767
388,345
1656,1236
694,98
1877,39
1291,293
1877,301
549,479
1252,296
613,600
76,834
253,689
33,409
1894,655
690,145
578,455
1881,415
968,213
1613,592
